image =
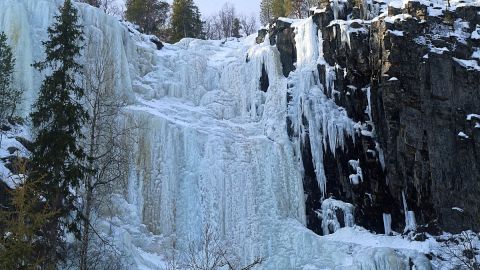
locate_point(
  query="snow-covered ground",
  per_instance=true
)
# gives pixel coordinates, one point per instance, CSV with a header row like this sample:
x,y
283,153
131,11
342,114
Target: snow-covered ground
x,y
213,149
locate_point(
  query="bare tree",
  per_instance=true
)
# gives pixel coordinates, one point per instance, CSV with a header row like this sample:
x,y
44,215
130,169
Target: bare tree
x,y
104,143
173,258
227,16
301,8
211,253
110,7
213,28
226,24
462,250
249,24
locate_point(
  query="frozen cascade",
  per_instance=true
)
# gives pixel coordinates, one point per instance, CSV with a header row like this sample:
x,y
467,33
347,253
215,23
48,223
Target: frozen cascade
x,y
25,23
324,118
213,149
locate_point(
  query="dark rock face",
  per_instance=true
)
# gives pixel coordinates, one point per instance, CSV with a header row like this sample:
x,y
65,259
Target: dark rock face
x,y
262,33
157,42
420,119
417,139
312,191
264,82
283,37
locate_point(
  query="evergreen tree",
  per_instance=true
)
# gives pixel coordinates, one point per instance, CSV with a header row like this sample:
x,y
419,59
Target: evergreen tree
x,y
186,20
278,8
150,15
22,223
57,119
272,9
9,96
236,28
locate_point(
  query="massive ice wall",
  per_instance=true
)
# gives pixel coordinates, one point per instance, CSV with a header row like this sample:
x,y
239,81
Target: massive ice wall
x,y
25,24
212,148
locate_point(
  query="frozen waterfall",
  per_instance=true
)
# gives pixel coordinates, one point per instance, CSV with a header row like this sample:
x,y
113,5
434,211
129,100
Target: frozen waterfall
x,y
213,149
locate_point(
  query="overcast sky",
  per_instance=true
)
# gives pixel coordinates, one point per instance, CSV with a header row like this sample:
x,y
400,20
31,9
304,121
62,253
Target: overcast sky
x,y
209,7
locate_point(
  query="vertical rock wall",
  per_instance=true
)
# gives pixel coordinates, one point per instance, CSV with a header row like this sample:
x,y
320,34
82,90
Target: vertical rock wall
x,y
408,75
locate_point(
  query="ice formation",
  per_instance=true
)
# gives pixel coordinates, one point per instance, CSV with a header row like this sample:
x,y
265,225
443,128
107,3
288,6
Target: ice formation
x,y
387,223
331,210
356,178
410,222
212,148
309,100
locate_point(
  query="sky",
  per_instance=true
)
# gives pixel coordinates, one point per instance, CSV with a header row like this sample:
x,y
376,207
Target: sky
x,y
210,7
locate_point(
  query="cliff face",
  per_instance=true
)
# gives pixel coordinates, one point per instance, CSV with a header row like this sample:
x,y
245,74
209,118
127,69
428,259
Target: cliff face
x,y
408,74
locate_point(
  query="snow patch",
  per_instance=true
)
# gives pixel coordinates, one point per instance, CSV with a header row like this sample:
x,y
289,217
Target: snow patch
x,y
473,116
457,209
396,33
463,135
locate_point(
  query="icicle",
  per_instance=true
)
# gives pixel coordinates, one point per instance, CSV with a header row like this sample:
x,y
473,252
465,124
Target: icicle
x,y
387,223
335,9
355,179
410,222
369,105
344,33
381,156
306,43
404,203
329,79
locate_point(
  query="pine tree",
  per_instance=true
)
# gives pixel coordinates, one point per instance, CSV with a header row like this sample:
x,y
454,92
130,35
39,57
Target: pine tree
x,y
186,20
150,15
9,96
57,119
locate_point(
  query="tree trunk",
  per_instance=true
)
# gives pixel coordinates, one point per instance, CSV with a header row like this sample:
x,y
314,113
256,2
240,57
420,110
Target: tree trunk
x,y
89,191
86,230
